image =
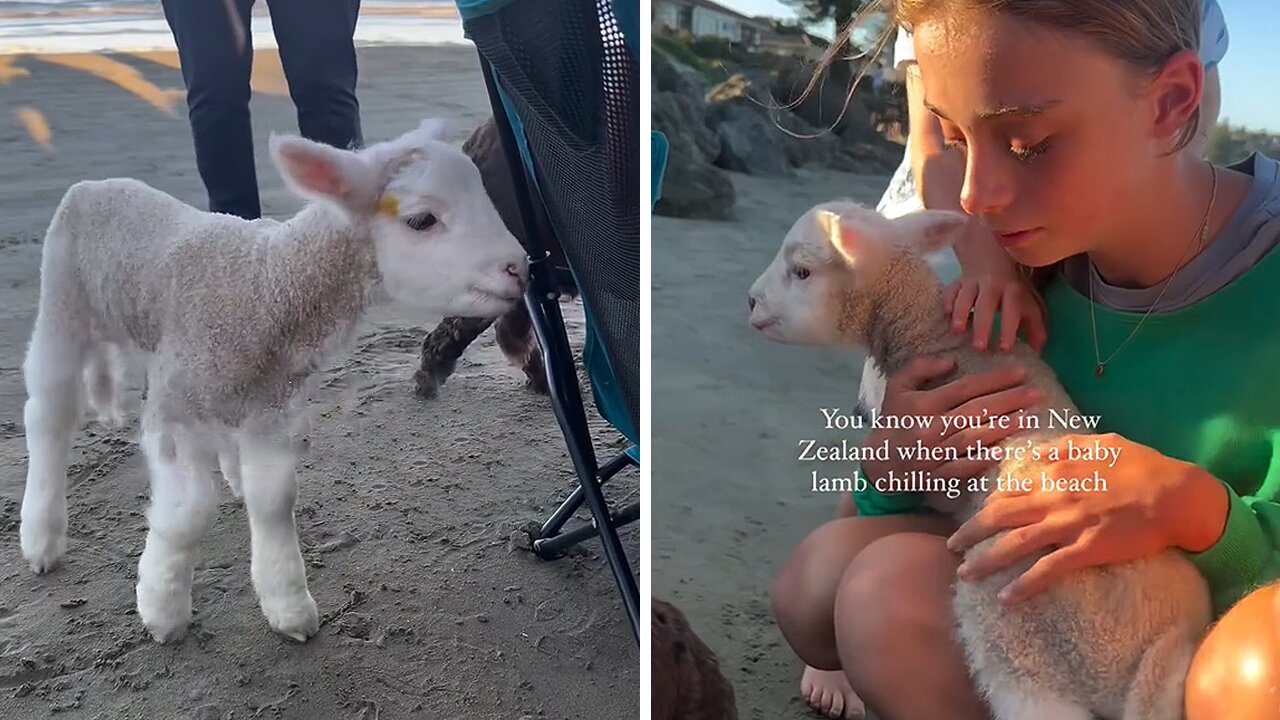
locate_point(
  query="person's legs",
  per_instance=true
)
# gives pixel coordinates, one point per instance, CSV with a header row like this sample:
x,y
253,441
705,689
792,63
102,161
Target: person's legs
x,y
829,691
894,631
216,53
317,51
804,592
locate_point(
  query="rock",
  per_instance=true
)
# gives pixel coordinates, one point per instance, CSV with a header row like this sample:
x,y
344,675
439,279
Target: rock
x,y
806,145
676,114
749,141
879,158
824,106
692,187
671,75
686,682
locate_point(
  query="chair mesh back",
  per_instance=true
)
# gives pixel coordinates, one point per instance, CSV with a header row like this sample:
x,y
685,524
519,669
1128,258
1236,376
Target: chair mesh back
x,y
574,86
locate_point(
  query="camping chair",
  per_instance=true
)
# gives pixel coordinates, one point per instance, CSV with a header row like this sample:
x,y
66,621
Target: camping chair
x,y
563,80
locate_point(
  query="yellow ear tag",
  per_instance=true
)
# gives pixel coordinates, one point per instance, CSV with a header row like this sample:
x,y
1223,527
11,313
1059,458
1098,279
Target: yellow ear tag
x,y
389,206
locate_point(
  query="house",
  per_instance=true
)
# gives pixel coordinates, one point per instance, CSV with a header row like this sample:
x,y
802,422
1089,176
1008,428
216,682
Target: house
x,y
790,40
703,18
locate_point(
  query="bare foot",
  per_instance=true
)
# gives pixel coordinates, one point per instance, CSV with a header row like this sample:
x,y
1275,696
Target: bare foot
x,y
828,692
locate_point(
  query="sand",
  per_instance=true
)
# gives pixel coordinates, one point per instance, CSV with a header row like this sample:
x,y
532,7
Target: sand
x,y
407,508
731,501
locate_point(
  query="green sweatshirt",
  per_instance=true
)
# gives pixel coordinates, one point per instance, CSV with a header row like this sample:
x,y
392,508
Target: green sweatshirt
x,y
1199,384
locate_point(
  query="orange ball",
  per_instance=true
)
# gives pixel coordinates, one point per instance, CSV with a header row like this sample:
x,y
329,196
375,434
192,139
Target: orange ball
x,y
1235,674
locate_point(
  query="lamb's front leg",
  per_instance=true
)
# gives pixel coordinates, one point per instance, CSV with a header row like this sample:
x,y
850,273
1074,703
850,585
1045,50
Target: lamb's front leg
x,y
184,503
269,483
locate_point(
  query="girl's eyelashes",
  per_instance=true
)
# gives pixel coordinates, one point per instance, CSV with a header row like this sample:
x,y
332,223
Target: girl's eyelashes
x,y
1023,153
1030,153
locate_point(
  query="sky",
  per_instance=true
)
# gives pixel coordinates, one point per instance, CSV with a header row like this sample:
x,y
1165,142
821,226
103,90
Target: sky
x,y
1249,70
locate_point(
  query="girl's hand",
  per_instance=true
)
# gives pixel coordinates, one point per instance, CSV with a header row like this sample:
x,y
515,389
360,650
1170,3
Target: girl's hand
x,y
990,281
998,392
1019,305
1150,503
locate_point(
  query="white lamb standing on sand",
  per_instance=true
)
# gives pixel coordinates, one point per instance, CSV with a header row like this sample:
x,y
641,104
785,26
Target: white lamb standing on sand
x,y
1113,642
233,319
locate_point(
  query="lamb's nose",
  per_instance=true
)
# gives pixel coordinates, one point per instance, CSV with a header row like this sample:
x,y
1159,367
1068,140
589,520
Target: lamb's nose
x,y
751,303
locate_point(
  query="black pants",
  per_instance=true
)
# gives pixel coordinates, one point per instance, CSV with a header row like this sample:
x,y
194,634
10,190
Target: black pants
x,y
215,48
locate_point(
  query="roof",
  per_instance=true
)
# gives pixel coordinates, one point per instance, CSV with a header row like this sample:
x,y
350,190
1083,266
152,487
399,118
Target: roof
x,y
781,33
708,4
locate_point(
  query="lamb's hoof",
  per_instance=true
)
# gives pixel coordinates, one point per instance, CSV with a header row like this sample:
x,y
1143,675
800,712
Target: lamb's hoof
x,y
168,635
165,614
297,620
43,549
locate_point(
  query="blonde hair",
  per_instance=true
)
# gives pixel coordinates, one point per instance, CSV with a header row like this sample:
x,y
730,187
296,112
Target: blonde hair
x,y
1145,34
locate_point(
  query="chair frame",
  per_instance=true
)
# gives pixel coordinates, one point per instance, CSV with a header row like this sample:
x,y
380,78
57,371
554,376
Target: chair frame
x,y
542,299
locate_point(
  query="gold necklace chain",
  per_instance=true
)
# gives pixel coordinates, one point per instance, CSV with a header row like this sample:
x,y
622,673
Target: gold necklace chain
x,y
1101,366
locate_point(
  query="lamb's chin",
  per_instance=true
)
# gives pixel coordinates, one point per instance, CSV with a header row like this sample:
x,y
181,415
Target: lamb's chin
x,y
771,332
481,303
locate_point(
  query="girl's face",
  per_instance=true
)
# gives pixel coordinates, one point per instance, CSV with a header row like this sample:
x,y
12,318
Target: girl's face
x,y
1056,133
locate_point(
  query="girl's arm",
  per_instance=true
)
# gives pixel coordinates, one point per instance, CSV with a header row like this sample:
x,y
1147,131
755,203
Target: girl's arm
x,y
1151,503
937,171
989,280
1244,549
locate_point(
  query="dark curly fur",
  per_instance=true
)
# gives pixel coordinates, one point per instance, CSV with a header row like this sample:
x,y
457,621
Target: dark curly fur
x,y
446,343
686,682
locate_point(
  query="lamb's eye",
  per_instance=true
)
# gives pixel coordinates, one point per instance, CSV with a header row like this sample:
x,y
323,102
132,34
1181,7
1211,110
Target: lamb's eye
x,y
423,221
801,272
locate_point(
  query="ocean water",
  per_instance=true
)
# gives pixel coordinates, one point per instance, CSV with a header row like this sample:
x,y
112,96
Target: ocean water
x,y
32,26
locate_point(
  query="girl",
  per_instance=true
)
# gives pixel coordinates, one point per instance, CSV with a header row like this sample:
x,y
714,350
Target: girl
x,y
1073,118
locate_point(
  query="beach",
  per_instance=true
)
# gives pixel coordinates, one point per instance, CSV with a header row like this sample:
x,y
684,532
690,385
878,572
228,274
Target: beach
x,y
409,511
732,415
61,26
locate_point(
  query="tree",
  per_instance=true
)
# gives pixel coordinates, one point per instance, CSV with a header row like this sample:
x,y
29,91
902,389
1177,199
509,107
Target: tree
x,y
813,12
1216,149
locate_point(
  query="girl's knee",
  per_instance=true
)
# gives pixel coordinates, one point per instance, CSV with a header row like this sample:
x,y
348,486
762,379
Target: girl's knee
x,y
896,590
800,610
804,591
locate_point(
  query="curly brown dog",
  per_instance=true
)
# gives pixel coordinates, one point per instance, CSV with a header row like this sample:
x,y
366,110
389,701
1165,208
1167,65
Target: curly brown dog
x,y
686,682
446,343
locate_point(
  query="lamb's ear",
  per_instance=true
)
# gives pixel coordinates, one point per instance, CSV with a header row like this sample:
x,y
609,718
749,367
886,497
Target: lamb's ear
x,y
930,231
317,171
845,235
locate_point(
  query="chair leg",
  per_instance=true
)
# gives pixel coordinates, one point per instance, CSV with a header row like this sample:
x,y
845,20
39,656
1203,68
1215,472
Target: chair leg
x,y
552,526
566,399
548,547
557,358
